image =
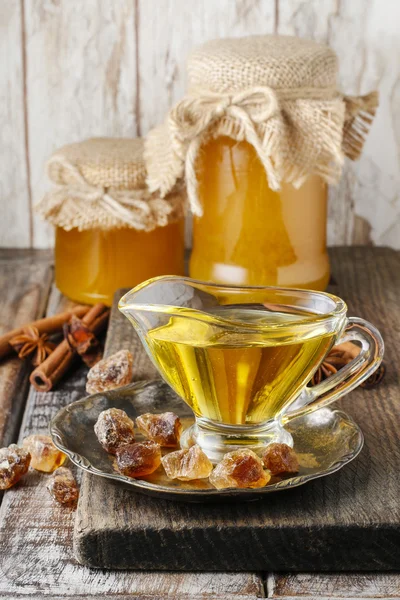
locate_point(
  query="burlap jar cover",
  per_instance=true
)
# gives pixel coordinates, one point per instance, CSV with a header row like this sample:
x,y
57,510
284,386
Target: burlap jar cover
x,y
278,93
100,183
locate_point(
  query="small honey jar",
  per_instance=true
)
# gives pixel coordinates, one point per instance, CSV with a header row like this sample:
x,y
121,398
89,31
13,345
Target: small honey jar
x,y
111,232
260,133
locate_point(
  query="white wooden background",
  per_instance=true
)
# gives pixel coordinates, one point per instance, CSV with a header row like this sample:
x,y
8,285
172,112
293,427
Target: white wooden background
x,y
76,68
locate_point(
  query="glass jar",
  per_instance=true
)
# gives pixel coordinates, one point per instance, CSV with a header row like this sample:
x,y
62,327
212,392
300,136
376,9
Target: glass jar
x,y
91,265
251,235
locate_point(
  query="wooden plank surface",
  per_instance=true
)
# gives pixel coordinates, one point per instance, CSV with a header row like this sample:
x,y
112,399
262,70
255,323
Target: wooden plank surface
x,y
332,586
75,69
342,522
364,207
15,225
81,79
35,545
25,280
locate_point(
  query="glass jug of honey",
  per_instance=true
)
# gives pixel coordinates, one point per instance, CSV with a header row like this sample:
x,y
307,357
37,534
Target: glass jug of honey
x,y
241,356
111,232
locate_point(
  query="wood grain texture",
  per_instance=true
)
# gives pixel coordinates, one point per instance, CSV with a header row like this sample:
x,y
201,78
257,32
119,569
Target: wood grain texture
x,y
341,522
81,79
329,586
25,280
15,227
365,37
365,206
76,69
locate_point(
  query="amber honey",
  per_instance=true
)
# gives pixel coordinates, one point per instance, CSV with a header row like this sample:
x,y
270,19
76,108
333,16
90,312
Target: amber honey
x,y
233,375
91,265
251,235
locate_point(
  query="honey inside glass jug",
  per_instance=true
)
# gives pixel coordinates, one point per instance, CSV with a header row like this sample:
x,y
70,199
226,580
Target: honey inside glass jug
x,y
251,235
91,265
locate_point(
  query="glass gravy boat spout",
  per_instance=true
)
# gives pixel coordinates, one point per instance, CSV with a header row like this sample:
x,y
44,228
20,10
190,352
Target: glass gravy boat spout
x,y
241,356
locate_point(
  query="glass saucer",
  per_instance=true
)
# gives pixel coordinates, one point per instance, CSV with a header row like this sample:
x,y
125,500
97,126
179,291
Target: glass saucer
x,y
324,441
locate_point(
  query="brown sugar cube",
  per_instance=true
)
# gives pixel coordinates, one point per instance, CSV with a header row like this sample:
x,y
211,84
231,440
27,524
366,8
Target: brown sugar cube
x,y
136,460
113,429
165,429
110,373
14,463
63,487
187,465
240,469
280,459
45,456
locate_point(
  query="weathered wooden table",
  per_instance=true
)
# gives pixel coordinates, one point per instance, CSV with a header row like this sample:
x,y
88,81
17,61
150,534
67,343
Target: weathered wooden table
x,y
36,558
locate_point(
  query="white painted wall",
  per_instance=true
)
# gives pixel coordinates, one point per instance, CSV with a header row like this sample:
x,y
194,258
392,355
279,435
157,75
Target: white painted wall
x,y
70,69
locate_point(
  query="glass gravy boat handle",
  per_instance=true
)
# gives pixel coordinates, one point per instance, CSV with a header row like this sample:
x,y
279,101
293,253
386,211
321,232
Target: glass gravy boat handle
x,y
350,376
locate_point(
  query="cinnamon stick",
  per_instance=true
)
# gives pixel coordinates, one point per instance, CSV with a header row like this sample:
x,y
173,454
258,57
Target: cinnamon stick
x,y
47,325
46,375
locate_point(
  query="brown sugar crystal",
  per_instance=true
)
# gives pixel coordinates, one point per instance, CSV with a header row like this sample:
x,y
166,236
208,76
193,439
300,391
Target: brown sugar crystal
x,y
240,469
114,429
110,373
45,456
14,463
280,459
63,487
136,460
187,465
165,429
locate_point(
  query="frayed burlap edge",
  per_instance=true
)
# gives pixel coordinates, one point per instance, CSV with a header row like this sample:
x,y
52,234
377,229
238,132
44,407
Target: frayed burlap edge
x,y
294,137
83,206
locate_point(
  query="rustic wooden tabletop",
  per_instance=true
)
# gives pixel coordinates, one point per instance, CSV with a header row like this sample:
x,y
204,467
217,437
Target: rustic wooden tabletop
x,y
36,557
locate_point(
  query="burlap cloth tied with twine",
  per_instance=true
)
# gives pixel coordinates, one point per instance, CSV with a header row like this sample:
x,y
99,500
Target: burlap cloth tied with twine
x,y
276,92
100,183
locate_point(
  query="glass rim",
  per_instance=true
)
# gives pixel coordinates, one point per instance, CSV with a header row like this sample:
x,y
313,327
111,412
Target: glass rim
x,y
127,301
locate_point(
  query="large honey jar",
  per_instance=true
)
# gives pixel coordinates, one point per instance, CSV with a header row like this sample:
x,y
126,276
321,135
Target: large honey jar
x,y
260,134
261,236
111,232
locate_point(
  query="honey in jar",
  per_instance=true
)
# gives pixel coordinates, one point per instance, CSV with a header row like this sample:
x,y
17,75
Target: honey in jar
x,y
251,235
91,265
111,231
259,134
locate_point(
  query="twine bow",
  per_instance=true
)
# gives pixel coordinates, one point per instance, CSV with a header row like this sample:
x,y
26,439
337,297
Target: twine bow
x,y
191,118
115,205
83,205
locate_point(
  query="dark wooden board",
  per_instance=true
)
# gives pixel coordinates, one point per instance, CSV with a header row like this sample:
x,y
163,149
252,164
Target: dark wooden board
x,y
25,281
347,521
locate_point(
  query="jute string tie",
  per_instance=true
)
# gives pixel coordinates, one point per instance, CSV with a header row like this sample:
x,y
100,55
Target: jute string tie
x,y
191,120
194,115
114,205
83,205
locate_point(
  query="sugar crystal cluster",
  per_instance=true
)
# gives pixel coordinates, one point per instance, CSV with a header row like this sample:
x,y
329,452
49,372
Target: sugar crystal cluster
x,y
165,429
14,463
140,459
114,429
45,456
280,459
187,465
109,373
63,487
240,469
